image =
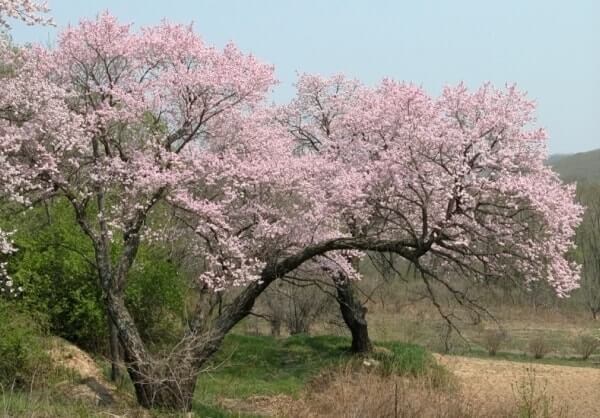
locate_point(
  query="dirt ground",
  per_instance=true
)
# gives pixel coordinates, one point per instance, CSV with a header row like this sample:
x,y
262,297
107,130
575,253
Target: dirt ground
x,y
91,384
573,390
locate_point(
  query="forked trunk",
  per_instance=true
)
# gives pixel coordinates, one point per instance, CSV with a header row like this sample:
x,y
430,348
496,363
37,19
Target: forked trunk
x,y
163,389
166,383
354,315
170,383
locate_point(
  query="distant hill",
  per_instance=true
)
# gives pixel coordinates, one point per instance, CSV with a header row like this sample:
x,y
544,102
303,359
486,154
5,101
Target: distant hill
x,y
577,167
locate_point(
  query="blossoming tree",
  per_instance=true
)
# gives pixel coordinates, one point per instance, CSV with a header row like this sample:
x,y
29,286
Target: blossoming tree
x,y
32,13
125,125
462,178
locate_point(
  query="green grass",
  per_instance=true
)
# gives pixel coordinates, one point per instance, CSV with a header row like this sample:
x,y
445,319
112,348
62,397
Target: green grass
x,y
259,365
527,358
43,404
249,366
245,366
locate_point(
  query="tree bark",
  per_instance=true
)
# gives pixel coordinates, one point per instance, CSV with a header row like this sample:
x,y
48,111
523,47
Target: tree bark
x,y
115,351
167,383
169,387
354,315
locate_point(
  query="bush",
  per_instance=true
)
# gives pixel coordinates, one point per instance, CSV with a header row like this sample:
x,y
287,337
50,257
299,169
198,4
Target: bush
x,y
586,345
296,308
539,347
53,264
445,339
155,296
493,339
23,358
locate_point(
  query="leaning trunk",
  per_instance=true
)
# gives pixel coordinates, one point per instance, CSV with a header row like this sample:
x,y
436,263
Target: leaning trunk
x,y
169,383
354,315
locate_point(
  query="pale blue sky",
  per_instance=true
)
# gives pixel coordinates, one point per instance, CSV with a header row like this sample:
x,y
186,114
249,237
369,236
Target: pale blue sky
x,y
550,48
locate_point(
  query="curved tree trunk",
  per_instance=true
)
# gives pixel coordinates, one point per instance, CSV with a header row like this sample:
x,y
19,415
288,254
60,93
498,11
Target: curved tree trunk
x,y
169,383
354,315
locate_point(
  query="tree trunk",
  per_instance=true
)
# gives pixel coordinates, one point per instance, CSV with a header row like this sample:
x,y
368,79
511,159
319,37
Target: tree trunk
x,y
171,388
115,351
167,383
170,383
354,314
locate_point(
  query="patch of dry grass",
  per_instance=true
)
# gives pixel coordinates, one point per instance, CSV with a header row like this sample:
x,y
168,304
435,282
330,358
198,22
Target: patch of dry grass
x,y
351,393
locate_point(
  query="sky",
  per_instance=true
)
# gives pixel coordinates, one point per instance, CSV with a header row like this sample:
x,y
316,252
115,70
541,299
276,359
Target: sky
x,y
549,48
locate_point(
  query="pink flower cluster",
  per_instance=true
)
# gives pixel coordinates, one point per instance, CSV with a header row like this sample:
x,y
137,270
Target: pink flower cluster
x,y
27,11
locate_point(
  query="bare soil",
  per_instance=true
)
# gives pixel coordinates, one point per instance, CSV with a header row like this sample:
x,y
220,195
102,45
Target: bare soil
x,y
573,390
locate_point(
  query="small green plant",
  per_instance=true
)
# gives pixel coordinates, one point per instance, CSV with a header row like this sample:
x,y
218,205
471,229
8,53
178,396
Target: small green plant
x,y
532,399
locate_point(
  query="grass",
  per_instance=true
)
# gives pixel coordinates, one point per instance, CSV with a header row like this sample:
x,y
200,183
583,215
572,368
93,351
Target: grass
x,y
477,352
558,330
263,366
255,366
43,404
248,366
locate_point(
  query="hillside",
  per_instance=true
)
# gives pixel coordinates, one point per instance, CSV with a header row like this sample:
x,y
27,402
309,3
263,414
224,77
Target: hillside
x,y
580,166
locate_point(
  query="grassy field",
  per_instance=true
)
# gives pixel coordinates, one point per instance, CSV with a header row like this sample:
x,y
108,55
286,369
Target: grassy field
x,y
251,374
247,366
558,331
251,366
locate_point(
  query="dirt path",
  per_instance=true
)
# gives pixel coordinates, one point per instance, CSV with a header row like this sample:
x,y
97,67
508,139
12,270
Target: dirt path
x,y
492,382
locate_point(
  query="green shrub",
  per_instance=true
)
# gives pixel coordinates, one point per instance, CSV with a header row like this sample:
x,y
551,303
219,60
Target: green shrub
x,y
493,339
23,358
54,265
155,296
585,345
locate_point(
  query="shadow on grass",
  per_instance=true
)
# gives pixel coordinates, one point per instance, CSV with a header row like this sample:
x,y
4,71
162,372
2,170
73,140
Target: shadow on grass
x,y
264,366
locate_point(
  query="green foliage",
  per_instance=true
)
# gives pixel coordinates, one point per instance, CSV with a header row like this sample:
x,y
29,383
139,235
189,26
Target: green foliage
x,y
23,358
588,247
155,296
402,359
55,266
